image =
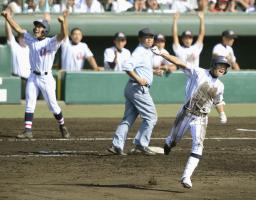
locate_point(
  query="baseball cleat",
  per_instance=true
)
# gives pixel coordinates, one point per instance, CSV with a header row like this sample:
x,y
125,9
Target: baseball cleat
x,y
167,149
64,132
143,150
186,182
116,151
26,134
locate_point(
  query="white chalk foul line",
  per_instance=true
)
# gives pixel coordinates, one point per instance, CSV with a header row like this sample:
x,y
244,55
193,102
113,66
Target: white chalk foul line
x,y
246,130
109,139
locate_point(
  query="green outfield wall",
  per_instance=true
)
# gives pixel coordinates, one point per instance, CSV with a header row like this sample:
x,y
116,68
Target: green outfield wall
x,y
107,88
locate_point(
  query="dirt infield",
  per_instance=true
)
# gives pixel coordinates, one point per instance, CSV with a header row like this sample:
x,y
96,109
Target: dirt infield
x,y
48,168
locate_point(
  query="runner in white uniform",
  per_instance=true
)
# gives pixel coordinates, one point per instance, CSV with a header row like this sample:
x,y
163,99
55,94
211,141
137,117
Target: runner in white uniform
x,y
225,48
20,54
117,55
74,53
42,51
204,91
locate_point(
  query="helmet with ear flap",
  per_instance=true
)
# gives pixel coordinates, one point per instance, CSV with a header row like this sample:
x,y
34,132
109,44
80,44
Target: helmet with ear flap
x,y
220,60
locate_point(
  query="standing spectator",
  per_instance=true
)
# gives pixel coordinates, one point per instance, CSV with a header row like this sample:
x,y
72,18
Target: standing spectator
x,y
153,6
30,7
137,97
160,64
225,48
221,6
183,6
75,52
116,5
91,6
15,6
138,6
117,55
187,52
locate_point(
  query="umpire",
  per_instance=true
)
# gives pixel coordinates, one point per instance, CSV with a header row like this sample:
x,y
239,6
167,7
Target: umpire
x,y
138,100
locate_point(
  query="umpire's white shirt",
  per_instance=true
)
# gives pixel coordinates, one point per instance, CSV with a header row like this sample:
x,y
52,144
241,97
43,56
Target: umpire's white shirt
x,y
73,56
122,57
20,58
141,62
226,51
41,52
189,55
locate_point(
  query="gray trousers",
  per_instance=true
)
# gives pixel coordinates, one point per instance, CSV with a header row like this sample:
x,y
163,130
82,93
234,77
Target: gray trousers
x,y
138,102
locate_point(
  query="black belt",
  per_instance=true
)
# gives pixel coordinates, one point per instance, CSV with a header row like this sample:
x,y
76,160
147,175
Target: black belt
x,y
39,73
132,81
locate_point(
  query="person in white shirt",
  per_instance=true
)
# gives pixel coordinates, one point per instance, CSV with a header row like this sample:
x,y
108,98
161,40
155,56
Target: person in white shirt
x,y
225,48
75,52
117,55
187,51
160,64
91,6
19,52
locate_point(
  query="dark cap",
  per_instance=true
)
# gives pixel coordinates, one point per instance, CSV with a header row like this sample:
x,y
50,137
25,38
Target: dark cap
x,y
44,23
187,33
145,32
119,35
159,37
229,34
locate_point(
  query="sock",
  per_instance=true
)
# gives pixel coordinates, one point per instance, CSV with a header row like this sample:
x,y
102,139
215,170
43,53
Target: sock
x,y
28,121
59,117
191,166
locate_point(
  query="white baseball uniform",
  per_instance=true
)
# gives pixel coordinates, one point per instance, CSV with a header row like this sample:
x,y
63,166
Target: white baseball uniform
x,y
159,60
41,54
73,56
20,58
226,51
122,57
189,55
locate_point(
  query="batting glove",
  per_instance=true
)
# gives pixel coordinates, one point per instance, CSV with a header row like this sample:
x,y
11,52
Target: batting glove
x,y
223,118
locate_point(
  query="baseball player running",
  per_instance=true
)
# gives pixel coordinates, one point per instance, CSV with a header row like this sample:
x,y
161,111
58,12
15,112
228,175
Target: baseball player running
x,y
137,97
205,89
42,50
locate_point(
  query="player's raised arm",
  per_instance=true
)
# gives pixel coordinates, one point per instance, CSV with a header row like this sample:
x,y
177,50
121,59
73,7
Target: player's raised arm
x,y
175,29
12,22
201,35
64,26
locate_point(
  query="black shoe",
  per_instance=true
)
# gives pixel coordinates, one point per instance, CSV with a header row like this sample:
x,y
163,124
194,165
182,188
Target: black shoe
x,y
167,149
64,132
116,151
144,150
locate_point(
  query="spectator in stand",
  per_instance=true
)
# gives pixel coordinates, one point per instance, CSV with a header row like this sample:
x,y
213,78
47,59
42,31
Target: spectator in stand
x,y
183,6
153,6
30,7
138,6
220,6
202,5
242,5
116,5
117,55
15,6
225,48
89,6
75,52
160,65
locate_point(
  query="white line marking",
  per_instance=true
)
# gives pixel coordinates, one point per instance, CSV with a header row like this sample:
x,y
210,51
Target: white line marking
x,y
246,130
109,139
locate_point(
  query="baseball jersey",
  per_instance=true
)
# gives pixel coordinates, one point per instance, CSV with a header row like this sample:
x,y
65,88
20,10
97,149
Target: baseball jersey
x,y
159,60
189,55
226,51
122,57
141,62
41,52
20,58
73,56
203,90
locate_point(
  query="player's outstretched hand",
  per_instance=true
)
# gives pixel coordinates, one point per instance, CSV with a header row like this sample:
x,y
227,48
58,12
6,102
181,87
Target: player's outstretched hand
x,y
65,13
200,14
61,19
5,14
156,51
223,118
176,16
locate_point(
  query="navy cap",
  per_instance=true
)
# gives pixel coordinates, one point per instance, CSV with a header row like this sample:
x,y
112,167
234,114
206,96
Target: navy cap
x,y
159,37
187,33
146,32
119,35
229,34
44,23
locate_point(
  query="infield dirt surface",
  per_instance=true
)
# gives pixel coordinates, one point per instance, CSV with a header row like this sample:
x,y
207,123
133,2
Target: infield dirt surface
x,y
83,169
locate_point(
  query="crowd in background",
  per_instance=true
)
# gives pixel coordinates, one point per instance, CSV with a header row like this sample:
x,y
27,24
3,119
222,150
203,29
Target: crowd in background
x,y
117,6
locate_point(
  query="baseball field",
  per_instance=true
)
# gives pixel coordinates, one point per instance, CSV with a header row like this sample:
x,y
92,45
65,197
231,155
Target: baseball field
x,y
80,168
